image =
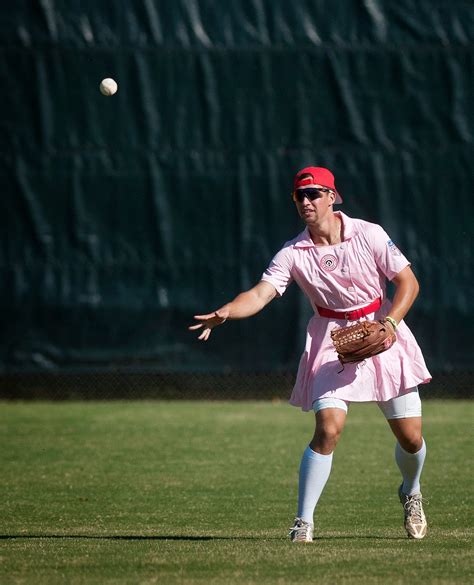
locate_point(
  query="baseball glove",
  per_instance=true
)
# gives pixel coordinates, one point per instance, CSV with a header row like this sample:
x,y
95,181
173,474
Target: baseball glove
x,y
362,340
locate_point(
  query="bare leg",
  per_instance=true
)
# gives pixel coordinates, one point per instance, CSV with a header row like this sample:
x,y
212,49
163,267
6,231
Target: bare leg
x,y
410,453
408,432
329,425
317,460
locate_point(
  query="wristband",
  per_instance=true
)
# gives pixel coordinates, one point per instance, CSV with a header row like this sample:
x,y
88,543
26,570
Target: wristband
x,y
392,322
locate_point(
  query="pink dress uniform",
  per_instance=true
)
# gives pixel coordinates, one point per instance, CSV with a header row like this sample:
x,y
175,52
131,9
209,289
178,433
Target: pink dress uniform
x,y
343,277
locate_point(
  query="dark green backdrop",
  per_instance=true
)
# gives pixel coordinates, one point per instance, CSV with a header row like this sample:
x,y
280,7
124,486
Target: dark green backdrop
x,y
122,217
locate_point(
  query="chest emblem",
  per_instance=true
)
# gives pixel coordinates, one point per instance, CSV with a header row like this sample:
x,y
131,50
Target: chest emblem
x,y
328,263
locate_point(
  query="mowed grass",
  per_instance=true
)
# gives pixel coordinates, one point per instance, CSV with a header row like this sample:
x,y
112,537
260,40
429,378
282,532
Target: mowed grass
x,y
204,492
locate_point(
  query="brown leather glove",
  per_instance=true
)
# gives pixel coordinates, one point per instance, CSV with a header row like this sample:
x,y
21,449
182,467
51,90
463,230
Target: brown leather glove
x,y
362,340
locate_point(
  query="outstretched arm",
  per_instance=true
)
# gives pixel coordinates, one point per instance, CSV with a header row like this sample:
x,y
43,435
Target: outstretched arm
x,y
407,288
244,305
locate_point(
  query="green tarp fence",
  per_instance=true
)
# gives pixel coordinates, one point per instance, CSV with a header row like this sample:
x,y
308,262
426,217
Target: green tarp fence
x,y
122,217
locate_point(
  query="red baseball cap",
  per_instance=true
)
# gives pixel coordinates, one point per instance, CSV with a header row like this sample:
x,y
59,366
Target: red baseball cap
x,y
319,176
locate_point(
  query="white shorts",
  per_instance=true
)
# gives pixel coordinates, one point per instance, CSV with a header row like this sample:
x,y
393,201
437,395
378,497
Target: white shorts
x,y
406,406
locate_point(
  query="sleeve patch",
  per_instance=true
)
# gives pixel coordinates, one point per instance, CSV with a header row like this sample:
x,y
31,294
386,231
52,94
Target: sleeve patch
x,y
393,248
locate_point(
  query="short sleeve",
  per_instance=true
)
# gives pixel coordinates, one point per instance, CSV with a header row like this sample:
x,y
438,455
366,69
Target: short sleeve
x,y
389,258
279,271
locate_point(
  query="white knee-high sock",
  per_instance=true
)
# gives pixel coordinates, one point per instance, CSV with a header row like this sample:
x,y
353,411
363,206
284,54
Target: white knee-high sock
x,y
410,465
314,473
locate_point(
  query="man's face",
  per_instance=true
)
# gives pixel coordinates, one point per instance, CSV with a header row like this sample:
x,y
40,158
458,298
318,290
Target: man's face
x,y
317,206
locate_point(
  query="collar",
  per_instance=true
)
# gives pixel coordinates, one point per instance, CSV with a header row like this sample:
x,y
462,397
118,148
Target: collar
x,y
303,240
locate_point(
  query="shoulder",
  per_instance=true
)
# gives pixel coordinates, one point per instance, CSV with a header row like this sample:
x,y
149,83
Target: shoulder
x,y
361,225
366,230
303,239
370,235
285,257
373,232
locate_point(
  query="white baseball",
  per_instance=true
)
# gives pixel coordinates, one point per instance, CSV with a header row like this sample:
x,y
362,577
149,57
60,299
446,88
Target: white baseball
x,y
108,86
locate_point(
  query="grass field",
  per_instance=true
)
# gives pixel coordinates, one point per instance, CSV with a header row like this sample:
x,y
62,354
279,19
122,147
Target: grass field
x,y
200,492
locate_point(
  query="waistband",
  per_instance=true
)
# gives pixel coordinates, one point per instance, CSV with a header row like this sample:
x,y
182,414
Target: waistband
x,y
351,315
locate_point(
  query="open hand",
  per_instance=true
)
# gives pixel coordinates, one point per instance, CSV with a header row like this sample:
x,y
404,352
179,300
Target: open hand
x,y
208,322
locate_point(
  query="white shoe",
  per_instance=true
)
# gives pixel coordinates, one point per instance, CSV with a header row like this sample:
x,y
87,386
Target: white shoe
x,y
302,531
415,520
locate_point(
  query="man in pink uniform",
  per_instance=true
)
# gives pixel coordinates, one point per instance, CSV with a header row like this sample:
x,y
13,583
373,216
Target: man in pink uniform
x,y
342,265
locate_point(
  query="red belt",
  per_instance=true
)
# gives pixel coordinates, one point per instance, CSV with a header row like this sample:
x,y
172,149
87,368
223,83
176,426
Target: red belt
x,y
351,315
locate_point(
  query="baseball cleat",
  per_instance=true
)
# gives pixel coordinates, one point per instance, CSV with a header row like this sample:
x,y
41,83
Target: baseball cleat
x,y
415,520
302,531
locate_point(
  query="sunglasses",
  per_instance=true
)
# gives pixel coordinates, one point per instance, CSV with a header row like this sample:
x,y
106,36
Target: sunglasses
x,y
311,193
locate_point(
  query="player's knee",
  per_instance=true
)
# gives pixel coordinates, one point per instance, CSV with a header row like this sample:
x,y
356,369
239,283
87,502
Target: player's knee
x,y
411,442
326,438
